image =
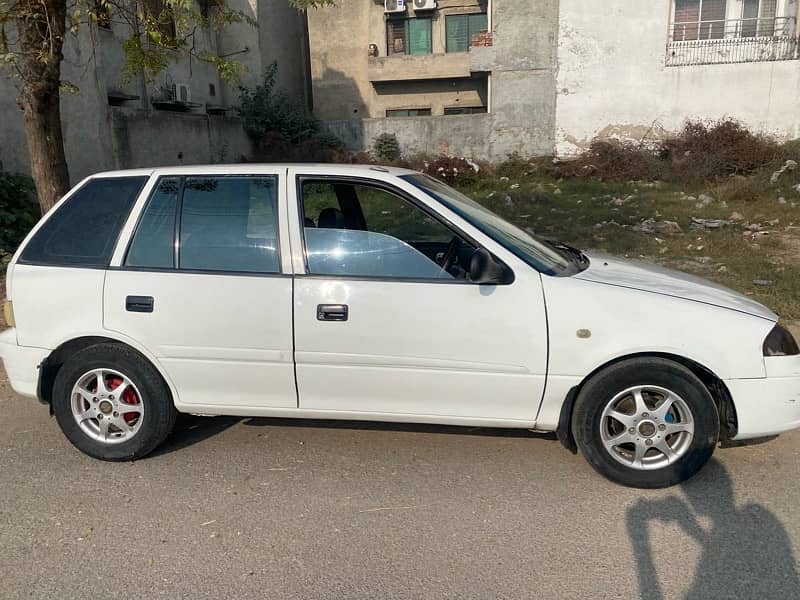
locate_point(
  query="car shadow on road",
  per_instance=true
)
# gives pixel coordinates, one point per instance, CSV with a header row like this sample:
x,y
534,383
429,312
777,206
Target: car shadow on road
x,y
745,551
388,426
191,429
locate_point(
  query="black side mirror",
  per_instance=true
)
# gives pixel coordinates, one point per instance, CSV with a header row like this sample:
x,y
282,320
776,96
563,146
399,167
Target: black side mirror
x,y
486,269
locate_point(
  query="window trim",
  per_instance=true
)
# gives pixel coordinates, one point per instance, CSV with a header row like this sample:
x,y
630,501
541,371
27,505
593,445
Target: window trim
x,y
65,200
388,110
177,231
446,108
301,178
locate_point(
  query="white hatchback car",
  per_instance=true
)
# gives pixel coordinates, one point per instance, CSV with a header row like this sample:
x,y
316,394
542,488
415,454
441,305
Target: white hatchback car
x,y
362,292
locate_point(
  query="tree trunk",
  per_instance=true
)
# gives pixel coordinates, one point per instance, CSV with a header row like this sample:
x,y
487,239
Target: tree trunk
x,y
46,147
41,37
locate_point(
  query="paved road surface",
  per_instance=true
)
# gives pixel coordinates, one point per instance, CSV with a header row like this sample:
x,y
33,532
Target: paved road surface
x,y
261,508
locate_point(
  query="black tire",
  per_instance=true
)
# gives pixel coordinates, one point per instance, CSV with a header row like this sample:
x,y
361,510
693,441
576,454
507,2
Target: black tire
x,y
159,414
605,385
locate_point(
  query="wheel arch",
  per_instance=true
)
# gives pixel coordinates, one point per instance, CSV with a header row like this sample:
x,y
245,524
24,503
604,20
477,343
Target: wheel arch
x,y
713,383
50,366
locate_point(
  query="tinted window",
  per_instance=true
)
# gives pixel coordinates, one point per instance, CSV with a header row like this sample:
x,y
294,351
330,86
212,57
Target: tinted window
x,y
229,224
83,231
152,245
364,230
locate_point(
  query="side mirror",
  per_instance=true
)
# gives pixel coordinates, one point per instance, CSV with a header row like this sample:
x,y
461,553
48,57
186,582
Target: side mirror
x,y
486,269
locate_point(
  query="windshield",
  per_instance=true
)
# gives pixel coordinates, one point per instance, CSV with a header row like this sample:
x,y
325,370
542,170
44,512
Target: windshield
x,y
548,257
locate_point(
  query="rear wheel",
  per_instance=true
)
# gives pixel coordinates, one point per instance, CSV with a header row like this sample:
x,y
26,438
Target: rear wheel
x,y
646,423
111,403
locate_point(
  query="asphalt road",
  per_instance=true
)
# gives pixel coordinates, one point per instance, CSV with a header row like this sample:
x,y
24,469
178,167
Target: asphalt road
x,y
262,508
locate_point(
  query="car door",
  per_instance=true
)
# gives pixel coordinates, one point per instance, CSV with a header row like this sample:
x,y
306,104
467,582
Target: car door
x,y
382,328
201,286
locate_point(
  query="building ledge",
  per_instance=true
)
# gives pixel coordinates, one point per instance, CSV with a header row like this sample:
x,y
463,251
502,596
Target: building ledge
x,y
423,66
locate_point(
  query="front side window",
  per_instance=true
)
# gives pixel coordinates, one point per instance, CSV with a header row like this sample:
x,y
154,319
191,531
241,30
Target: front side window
x,y
83,231
367,231
220,223
535,252
462,28
409,36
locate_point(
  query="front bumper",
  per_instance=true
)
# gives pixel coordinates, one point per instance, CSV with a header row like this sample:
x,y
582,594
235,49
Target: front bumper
x,y
769,405
21,363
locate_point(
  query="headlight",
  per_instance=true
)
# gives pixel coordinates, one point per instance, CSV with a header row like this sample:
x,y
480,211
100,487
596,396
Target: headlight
x,y
780,342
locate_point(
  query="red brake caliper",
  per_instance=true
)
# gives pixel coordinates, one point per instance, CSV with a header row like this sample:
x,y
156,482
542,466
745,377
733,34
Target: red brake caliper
x,y
128,397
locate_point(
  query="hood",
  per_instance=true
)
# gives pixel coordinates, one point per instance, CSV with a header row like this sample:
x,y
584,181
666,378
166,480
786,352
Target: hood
x,y
647,277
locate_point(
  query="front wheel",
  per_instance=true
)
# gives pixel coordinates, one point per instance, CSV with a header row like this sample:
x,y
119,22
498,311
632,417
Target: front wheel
x,y
111,403
646,423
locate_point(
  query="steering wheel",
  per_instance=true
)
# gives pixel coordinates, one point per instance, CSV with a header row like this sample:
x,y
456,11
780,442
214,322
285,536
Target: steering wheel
x,y
451,254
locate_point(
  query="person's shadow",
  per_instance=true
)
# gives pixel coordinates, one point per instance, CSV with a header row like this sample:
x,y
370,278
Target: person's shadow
x,y
746,553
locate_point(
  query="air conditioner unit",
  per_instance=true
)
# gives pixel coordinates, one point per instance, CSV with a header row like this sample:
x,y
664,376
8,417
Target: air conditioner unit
x,y
182,92
424,4
394,6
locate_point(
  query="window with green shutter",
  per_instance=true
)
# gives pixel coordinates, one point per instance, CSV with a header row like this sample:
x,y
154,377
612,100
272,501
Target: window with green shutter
x,y
461,28
408,36
419,36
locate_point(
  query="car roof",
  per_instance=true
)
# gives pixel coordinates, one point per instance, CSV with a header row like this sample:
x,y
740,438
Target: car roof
x,y
251,168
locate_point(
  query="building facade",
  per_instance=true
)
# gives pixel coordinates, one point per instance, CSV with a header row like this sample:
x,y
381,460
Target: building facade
x,y
489,77
470,77
478,78
186,115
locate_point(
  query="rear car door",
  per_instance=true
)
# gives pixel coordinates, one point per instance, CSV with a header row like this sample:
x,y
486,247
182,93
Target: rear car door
x,y
202,285
386,323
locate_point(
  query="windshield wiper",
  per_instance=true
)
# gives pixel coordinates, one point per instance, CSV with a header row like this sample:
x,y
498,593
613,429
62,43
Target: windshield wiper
x,y
569,252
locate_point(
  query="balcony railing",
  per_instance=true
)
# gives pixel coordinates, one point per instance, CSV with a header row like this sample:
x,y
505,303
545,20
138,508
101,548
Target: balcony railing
x,y
732,41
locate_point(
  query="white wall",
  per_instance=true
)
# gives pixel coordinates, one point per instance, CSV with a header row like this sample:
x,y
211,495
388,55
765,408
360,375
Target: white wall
x,y
612,81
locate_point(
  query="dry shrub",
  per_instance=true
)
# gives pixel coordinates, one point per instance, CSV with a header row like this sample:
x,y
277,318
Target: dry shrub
x,y
718,149
273,147
516,167
702,151
452,169
611,159
740,188
790,150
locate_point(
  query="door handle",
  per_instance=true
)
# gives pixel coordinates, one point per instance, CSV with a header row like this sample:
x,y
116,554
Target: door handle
x,y
332,312
143,304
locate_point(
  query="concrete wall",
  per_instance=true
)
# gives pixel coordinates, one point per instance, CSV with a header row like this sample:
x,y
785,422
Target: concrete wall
x,y
148,139
339,41
612,79
523,95
461,135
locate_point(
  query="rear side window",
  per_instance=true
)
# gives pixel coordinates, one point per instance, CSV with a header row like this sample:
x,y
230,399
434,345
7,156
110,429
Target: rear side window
x,y
224,223
229,224
153,244
83,231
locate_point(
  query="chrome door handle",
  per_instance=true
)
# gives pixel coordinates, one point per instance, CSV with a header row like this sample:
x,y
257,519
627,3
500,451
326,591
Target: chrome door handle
x,y
332,312
139,304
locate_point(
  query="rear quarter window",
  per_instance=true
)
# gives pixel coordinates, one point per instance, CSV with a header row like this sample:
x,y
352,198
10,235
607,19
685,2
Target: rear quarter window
x,y
83,231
